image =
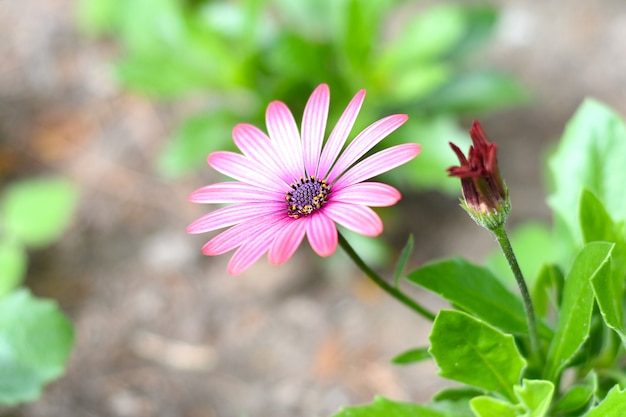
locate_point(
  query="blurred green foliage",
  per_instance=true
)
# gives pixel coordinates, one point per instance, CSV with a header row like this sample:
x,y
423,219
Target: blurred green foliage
x,y
239,55
35,336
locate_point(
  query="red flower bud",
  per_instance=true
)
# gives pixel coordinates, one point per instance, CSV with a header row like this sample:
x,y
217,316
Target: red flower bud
x,y
485,196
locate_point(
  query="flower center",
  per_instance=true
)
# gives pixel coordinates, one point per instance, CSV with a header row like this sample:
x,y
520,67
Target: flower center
x,y
306,196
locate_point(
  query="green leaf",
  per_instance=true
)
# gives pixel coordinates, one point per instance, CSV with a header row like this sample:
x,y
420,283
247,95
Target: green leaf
x,y
13,264
595,222
35,342
194,140
536,396
411,356
448,408
590,155
608,289
533,247
36,212
402,260
480,24
415,81
474,289
359,31
97,16
613,405
456,394
429,35
476,92
597,225
293,56
469,350
575,313
382,407
547,290
485,406
578,396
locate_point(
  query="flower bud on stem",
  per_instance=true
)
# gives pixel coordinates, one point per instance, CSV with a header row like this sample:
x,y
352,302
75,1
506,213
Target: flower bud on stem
x,y
486,200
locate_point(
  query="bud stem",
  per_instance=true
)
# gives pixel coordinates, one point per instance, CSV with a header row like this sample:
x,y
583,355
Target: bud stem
x,y
507,249
389,289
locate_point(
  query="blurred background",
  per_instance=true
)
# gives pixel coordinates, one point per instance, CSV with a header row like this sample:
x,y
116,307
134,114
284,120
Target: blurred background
x,y
121,101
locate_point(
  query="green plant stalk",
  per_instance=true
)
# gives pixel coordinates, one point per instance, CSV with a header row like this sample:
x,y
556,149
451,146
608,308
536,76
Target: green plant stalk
x,y
389,289
507,249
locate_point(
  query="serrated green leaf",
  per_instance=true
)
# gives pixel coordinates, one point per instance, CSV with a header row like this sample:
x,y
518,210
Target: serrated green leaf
x,y
37,211
575,313
469,350
411,356
13,264
382,407
485,406
613,405
608,289
402,260
475,289
589,155
35,341
536,396
597,225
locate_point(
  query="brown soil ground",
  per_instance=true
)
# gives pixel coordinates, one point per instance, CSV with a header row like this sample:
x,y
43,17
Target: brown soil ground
x,y
163,331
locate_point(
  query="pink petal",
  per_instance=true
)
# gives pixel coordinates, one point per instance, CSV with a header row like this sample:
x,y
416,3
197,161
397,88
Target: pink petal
x,y
339,135
373,194
233,192
246,170
314,127
238,234
287,241
322,234
360,219
285,138
365,141
253,249
257,146
228,216
378,163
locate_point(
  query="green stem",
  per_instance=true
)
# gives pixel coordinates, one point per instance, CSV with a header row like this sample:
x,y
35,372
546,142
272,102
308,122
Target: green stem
x,y
505,245
389,289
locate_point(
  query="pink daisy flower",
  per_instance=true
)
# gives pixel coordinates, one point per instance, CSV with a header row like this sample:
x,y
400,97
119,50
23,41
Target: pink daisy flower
x,y
290,185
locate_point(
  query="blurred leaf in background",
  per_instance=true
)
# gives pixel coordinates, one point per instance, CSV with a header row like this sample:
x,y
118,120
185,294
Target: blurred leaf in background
x,y
35,336
239,55
35,342
36,212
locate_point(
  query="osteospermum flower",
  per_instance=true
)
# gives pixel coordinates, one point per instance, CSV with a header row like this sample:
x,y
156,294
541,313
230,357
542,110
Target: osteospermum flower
x,y
291,184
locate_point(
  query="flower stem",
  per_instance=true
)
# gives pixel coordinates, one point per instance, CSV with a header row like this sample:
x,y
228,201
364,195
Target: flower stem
x,y
389,289
507,249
